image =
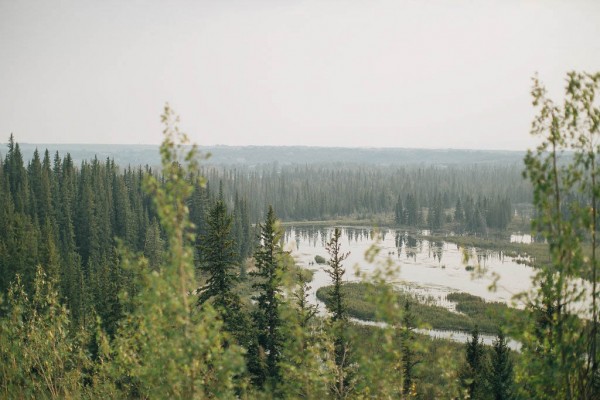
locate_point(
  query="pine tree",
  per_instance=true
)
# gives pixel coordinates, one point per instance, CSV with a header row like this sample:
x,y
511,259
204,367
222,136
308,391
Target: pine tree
x,y
399,211
339,316
154,246
218,257
459,212
336,272
409,356
501,370
266,354
219,262
472,374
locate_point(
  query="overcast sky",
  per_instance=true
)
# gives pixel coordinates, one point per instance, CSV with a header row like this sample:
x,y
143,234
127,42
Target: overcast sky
x,y
398,73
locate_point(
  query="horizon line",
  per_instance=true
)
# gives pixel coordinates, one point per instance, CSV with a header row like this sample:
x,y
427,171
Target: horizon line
x,y
276,146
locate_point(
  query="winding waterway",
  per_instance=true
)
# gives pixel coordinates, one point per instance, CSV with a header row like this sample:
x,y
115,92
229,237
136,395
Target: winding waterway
x,y
428,269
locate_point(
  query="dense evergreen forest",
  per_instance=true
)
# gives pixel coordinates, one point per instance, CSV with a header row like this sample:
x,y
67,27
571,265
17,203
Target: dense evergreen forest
x,y
172,282
72,219
366,185
402,195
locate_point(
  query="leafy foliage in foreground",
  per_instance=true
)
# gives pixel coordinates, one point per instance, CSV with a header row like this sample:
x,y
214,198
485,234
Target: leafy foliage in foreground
x,y
557,344
41,353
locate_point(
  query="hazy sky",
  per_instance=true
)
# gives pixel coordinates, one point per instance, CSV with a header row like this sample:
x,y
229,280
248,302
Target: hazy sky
x,y
399,73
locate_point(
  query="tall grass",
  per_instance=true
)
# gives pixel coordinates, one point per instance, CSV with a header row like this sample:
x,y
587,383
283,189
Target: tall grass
x,y
472,311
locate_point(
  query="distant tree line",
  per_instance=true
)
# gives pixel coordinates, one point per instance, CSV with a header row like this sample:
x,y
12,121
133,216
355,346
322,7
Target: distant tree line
x,y
467,216
329,191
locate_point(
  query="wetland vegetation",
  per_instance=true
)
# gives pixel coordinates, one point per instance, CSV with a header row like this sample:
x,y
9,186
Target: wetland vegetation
x,y
470,311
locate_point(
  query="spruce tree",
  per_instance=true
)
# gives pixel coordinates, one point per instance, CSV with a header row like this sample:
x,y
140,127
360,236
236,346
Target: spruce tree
x,y
266,353
435,215
17,176
199,205
412,210
154,246
501,370
472,374
218,260
336,272
407,343
218,257
307,371
399,211
339,316
459,212
246,244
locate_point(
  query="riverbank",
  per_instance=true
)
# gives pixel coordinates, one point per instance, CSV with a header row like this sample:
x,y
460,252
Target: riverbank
x,y
362,300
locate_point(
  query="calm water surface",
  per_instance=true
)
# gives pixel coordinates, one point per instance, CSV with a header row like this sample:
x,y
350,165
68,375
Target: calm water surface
x,y
430,269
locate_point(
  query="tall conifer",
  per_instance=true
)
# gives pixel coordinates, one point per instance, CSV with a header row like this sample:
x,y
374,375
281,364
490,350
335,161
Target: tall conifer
x,y
265,356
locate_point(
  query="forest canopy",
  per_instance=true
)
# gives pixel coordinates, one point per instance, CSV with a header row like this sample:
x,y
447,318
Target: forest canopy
x,y
172,282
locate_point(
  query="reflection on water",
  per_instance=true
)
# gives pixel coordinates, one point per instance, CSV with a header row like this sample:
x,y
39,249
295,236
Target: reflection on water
x,y
428,269
431,269
526,238
455,336
521,238
463,337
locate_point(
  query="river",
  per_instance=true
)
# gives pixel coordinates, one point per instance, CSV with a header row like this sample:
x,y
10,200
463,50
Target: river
x,y
429,269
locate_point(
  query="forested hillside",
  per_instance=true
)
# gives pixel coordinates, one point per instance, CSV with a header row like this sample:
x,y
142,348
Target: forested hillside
x,y
138,282
72,219
144,282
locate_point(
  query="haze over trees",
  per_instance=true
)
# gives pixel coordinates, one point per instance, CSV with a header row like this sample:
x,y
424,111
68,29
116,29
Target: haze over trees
x,y
330,191
254,156
142,282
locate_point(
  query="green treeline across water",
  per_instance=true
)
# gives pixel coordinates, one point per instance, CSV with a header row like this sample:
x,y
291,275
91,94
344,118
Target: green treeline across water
x,y
331,191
